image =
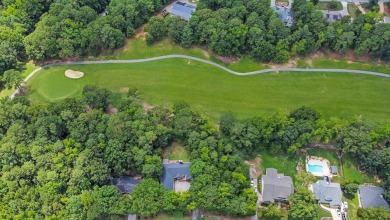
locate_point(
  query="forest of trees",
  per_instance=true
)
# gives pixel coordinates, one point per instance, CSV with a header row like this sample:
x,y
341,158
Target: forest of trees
x,y
59,29
234,28
56,160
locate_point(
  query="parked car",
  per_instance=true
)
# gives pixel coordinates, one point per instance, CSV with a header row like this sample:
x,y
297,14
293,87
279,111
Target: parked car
x,y
338,213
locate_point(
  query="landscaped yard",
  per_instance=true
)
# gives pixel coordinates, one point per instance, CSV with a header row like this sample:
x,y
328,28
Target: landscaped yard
x,y
214,91
353,206
328,6
350,169
177,152
321,213
352,10
282,163
351,172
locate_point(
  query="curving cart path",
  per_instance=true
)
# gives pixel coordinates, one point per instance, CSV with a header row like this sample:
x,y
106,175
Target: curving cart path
x,y
203,61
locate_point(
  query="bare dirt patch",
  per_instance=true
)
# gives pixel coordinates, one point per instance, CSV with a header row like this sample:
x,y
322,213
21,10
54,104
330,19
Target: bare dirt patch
x,y
111,110
386,10
146,106
282,4
73,74
349,56
255,163
230,59
124,89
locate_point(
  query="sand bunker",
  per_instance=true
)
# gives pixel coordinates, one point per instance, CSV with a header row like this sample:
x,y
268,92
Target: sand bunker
x,y
73,74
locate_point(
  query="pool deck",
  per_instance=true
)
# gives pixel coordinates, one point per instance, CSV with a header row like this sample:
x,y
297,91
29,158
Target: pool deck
x,y
318,161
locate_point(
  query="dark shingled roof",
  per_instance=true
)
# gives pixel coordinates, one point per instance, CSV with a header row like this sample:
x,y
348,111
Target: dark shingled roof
x,y
173,171
276,186
329,193
182,10
126,184
372,196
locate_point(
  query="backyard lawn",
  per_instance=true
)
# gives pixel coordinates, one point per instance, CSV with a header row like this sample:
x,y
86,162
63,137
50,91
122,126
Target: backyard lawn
x,y
177,152
213,91
328,6
321,213
351,172
282,163
350,169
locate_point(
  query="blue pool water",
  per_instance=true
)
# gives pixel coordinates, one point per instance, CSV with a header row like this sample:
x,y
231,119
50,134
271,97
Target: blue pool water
x,y
315,168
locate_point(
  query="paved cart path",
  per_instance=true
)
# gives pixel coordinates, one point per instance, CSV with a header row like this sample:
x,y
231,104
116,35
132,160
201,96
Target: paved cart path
x,y
175,56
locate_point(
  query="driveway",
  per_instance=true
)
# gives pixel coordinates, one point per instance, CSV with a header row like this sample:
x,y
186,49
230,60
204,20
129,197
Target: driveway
x,y
333,212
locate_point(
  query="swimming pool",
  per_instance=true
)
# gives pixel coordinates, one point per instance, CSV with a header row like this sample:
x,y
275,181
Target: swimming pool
x,y
315,168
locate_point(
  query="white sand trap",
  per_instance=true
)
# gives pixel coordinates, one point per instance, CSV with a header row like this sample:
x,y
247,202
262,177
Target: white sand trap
x,y
73,74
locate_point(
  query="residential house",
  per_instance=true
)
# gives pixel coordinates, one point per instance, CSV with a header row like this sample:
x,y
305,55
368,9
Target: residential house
x,y
372,196
327,193
183,10
332,16
176,176
126,184
276,187
284,14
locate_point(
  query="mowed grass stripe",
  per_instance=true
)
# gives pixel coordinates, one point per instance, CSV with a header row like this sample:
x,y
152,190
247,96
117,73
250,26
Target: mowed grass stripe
x,y
214,91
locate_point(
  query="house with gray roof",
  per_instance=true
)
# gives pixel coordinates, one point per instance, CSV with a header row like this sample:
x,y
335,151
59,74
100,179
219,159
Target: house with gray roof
x,y
276,187
126,184
327,193
176,176
372,196
332,16
285,15
183,10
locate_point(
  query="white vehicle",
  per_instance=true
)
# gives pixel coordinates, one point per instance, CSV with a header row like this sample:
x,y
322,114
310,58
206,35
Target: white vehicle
x,y
338,213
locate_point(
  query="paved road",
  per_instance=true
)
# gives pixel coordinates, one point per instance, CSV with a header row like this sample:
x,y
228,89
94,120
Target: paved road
x,y
70,63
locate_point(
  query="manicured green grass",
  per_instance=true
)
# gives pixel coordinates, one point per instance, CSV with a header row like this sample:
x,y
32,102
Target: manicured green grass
x,y
214,91
351,171
137,49
342,64
327,154
178,152
325,6
30,66
353,206
282,163
352,10
321,213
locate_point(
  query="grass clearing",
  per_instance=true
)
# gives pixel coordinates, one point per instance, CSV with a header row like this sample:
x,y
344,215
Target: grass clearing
x,y
351,171
282,163
178,152
137,49
214,92
327,6
327,154
342,64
